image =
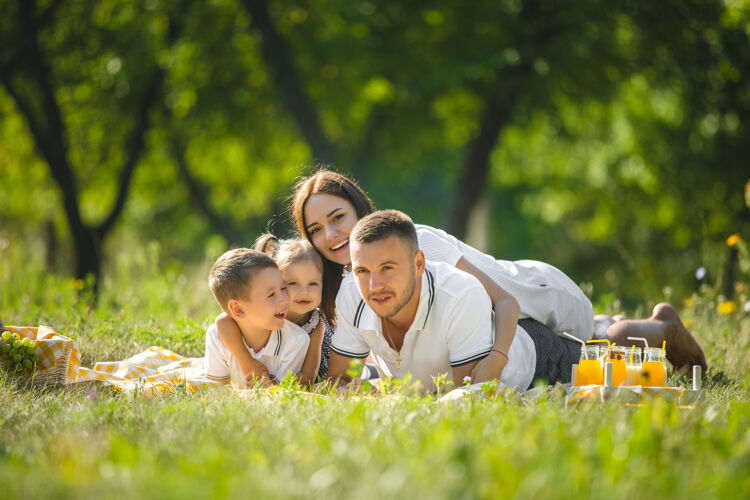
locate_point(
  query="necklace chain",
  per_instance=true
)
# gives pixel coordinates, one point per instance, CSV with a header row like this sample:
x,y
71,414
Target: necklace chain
x,y
398,352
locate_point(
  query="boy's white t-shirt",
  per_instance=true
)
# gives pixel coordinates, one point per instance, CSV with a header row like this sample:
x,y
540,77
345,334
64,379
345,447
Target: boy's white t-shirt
x,y
453,326
285,351
543,292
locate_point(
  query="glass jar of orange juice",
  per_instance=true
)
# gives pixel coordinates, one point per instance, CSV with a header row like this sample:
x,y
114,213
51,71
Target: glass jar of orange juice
x,y
617,356
590,367
654,366
634,369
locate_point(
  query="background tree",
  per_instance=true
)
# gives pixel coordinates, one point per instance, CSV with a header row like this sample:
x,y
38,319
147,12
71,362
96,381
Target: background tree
x,y
607,138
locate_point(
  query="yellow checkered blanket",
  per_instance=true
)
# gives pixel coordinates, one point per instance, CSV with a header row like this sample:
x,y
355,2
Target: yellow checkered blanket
x,y
154,370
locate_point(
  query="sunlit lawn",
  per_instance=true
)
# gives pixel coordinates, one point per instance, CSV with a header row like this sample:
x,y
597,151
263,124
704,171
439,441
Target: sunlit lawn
x,y
82,443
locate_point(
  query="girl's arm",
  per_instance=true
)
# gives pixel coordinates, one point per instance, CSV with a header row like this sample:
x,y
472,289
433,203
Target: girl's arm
x,y
231,337
308,374
506,320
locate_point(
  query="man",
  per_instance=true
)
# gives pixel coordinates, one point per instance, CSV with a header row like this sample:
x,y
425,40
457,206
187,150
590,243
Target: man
x,y
429,319
418,317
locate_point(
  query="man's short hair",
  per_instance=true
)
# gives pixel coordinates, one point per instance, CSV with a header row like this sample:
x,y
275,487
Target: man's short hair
x,y
383,224
231,275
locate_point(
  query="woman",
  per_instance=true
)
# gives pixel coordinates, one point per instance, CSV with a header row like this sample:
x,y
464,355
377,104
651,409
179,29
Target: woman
x,y
327,205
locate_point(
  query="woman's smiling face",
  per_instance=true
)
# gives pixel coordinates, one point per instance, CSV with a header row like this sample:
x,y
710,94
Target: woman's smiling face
x,y
329,220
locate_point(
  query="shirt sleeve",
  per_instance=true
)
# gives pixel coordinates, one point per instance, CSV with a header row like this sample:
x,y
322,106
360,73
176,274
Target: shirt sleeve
x,y
347,340
470,331
215,361
438,246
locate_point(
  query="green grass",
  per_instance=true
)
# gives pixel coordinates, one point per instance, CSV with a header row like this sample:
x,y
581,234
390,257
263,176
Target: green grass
x,y
85,443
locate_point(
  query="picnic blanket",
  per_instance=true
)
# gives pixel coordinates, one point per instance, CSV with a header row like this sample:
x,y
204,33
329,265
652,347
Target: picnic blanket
x,y
154,370
159,370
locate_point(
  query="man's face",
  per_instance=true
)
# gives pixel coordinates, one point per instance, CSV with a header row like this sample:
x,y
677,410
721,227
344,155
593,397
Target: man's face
x,y
386,272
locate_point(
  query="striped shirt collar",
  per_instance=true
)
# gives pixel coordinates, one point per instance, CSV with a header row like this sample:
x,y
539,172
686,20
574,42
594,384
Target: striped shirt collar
x,y
272,347
366,319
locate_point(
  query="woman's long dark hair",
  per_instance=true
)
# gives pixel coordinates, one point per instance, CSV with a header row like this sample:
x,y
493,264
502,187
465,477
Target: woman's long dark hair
x,y
328,182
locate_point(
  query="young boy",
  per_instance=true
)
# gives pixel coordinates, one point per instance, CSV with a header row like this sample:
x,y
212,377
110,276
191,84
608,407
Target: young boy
x,y
248,286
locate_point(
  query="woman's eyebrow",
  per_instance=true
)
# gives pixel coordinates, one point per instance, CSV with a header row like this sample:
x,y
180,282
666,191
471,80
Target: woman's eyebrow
x,y
327,215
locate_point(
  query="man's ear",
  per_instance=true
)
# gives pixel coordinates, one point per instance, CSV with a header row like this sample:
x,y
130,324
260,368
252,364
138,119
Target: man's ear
x,y
419,262
235,308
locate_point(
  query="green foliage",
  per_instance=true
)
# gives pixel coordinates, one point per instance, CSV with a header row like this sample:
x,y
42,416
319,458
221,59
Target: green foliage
x,y
622,159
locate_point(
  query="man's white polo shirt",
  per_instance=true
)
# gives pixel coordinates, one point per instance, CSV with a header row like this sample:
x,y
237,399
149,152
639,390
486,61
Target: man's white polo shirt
x,y
543,292
453,326
285,351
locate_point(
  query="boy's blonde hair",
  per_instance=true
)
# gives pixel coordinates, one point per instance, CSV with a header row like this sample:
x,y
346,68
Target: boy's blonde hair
x,y
288,252
231,275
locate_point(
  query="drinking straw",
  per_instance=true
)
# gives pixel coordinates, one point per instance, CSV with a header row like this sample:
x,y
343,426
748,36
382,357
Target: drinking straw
x,y
639,338
574,368
632,348
574,338
663,349
609,344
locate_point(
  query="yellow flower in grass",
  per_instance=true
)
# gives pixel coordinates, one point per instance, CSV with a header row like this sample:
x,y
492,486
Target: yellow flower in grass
x,y
732,240
689,302
687,323
727,307
77,284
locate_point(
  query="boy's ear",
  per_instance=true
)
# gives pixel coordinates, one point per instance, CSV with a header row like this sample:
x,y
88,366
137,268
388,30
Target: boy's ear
x,y
235,308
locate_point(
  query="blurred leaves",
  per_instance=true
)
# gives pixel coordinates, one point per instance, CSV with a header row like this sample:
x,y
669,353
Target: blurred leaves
x,y
622,158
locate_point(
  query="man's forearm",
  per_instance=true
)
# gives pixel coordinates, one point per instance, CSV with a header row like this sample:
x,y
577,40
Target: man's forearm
x,y
338,368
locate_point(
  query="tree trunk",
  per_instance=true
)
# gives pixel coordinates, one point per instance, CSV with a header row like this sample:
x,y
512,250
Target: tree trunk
x,y
50,135
471,183
278,58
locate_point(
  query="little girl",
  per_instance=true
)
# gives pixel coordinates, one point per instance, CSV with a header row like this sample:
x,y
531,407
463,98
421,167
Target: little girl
x,y
302,270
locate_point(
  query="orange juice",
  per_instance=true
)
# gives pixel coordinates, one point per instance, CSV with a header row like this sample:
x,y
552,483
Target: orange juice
x,y
655,366
619,372
617,355
656,373
590,372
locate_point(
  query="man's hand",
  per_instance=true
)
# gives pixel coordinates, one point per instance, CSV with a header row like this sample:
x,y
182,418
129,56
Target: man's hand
x,y
489,368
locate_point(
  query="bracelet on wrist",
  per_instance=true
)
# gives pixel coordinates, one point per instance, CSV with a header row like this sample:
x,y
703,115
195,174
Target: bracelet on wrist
x,y
500,353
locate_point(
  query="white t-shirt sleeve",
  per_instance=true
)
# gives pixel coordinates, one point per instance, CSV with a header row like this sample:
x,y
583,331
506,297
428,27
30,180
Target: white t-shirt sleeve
x,y
347,339
216,362
469,332
438,246
294,352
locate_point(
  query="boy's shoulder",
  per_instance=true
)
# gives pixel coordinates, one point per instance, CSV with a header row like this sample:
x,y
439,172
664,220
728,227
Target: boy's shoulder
x,y
212,332
293,331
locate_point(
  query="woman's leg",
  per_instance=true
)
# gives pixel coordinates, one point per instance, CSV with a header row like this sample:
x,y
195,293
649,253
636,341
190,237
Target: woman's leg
x,y
664,324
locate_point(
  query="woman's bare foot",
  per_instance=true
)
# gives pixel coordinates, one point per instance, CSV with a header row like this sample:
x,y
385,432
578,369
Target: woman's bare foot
x,y
682,348
602,322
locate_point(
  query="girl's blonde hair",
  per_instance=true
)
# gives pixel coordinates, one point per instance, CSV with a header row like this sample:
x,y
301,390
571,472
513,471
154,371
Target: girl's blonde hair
x,y
288,252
